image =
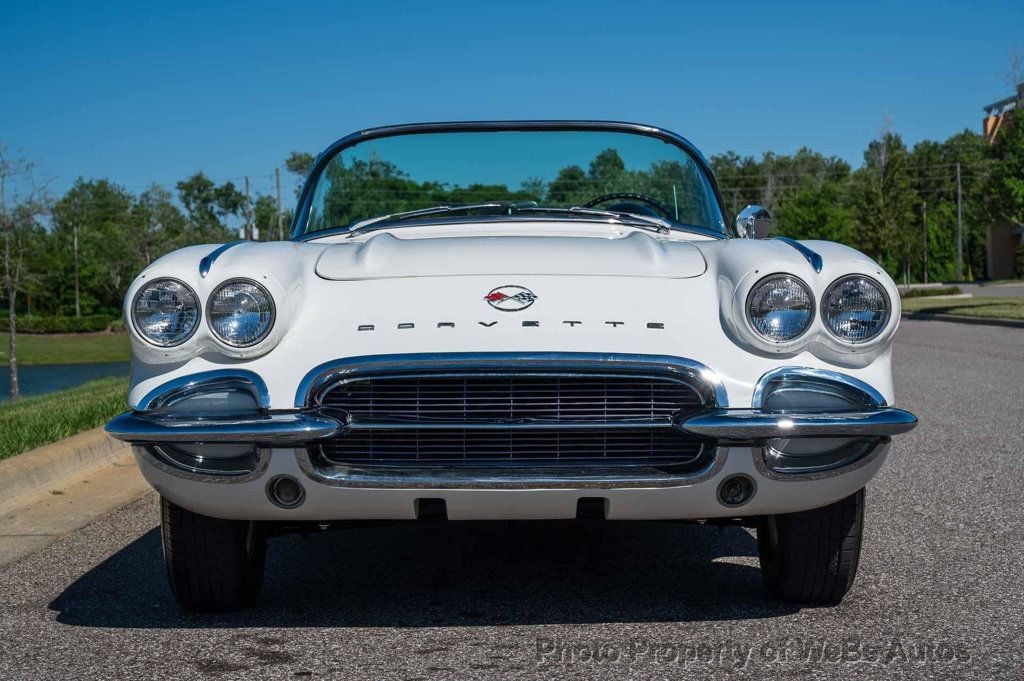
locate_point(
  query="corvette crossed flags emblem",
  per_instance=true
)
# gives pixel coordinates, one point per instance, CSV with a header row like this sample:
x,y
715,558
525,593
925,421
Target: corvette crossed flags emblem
x,y
510,298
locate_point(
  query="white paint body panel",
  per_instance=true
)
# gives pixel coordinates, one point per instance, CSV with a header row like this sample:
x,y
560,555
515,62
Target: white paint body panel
x,y
589,274
248,501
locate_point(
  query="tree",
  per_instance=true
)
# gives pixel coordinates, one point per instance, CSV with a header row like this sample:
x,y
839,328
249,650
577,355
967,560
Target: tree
x,y
817,212
265,217
1006,185
22,205
299,163
93,233
740,180
570,187
158,224
607,174
888,204
208,205
934,169
776,180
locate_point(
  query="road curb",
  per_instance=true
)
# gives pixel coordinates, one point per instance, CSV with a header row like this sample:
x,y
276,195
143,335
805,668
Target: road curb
x,y
53,466
984,321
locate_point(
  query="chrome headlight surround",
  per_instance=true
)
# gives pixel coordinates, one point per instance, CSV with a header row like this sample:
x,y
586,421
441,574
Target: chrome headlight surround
x,y
137,326
886,311
766,281
264,333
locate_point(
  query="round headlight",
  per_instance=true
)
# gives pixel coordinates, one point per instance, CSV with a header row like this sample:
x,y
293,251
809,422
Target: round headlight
x,y
165,312
780,308
240,312
855,309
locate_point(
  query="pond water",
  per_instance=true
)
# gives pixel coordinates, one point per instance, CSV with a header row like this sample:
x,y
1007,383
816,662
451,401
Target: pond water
x,y
38,379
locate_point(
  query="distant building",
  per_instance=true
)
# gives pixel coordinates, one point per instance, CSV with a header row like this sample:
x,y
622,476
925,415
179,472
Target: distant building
x,y
1002,241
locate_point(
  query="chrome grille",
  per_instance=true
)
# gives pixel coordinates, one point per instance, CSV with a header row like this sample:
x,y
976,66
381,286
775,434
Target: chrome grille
x,y
490,417
533,446
513,398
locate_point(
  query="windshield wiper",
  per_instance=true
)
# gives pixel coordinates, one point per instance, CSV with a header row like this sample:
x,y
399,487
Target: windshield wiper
x,y
649,223
645,222
426,212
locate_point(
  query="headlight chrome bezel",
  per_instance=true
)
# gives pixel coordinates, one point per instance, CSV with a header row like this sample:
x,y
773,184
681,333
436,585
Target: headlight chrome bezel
x,y
137,327
886,319
227,342
748,319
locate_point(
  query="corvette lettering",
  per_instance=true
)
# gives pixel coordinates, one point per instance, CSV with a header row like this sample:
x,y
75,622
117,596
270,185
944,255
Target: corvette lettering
x,y
531,323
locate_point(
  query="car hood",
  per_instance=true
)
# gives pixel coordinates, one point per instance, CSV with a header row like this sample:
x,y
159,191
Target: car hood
x,y
385,256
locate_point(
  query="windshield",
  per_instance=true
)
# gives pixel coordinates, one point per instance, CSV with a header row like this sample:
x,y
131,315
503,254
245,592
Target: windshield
x,y
580,174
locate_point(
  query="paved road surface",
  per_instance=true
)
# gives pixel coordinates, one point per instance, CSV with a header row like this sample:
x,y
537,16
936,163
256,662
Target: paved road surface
x,y
940,590
994,290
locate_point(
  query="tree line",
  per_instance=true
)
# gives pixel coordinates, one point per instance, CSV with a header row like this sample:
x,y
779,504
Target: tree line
x,y
75,255
902,206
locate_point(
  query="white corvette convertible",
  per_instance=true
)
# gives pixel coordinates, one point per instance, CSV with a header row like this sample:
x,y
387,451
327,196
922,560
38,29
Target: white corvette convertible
x,y
512,320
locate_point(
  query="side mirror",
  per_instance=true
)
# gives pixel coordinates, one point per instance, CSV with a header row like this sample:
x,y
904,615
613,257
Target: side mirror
x,y
754,222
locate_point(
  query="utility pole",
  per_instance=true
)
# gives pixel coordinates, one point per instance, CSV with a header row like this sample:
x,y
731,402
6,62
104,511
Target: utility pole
x,y
924,224
959,228
277,183
248,211
78,303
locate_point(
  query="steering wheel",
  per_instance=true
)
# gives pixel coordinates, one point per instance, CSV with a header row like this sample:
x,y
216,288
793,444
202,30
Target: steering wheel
x,y
629,196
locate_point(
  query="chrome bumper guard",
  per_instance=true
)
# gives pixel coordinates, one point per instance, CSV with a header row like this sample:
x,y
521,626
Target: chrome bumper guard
x,y
287,429
752,424
300,428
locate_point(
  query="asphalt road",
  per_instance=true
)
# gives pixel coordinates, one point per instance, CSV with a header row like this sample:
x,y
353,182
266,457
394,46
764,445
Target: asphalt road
x,y
940,591
1005,290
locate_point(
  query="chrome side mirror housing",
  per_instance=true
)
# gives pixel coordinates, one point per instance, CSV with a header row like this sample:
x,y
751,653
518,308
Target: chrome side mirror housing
x,y
754,222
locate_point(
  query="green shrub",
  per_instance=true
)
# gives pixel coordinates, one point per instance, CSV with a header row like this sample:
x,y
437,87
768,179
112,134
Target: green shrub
x,y
928,292
1018,262
84,324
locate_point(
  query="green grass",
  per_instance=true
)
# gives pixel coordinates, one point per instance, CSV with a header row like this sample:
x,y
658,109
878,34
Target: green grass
x,y
30,422
1005,308
68,348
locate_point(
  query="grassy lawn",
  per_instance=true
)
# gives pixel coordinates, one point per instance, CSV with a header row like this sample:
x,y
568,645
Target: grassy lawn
x,y
31,422
1006,308
68,348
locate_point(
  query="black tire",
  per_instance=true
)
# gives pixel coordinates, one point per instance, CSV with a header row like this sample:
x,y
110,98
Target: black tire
x,y
213,565
811,557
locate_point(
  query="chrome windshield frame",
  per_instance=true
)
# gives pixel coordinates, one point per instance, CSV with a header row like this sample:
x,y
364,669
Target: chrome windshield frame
x,y
301,216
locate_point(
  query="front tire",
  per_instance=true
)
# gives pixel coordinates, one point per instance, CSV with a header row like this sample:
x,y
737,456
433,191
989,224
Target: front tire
x,y
811,557
213,565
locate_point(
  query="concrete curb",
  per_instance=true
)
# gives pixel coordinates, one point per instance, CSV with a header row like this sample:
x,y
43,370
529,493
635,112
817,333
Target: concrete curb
x,y
53,466
950,296
984,321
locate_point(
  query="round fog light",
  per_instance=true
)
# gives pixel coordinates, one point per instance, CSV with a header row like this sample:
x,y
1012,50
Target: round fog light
x,y
285,491
736,490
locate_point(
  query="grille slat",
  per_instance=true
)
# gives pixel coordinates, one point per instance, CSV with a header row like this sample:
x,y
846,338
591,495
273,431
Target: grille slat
x,y
593,399
467,446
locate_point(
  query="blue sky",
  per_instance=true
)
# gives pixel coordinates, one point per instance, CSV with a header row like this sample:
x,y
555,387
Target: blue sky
x,y
143,93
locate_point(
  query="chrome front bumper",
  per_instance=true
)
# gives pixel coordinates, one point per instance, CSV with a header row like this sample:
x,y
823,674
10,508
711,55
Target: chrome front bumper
x,y
174,442
299,428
